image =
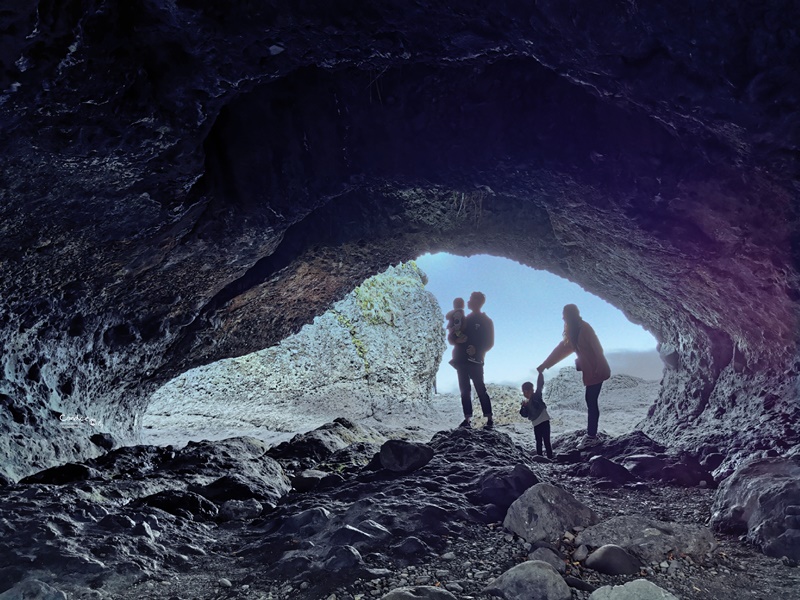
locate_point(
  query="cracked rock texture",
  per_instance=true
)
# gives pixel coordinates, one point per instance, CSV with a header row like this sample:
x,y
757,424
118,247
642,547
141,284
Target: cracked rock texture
x,y
184,182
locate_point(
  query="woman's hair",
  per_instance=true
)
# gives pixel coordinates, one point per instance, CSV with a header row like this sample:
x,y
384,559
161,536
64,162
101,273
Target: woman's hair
x,y
572,324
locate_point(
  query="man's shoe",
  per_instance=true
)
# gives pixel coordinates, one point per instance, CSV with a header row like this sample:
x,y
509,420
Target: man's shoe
x,y
465,424
489,424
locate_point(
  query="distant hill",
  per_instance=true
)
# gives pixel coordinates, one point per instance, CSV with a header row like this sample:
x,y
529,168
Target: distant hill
x,y
624,401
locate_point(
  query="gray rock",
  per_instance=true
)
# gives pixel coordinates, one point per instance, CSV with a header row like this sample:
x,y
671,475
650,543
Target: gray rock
x,y
403,456
648,539
178,501
117,522
646,466
530,580
143,529
33,589
412,546
580,554
63,474
349,535
601,467
312,519
342,558
639,589
240,510
761,499
376,530
425,592
501,486
613,560
545,512
550,557
307,480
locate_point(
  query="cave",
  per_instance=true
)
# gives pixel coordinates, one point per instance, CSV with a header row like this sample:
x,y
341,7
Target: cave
x,y
186,182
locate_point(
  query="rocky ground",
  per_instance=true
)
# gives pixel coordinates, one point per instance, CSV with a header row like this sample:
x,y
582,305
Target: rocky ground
x,y
733,571
118,529
319,515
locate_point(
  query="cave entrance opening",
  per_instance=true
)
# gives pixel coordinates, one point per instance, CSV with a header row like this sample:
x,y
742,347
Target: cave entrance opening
x,y
271,391
525,305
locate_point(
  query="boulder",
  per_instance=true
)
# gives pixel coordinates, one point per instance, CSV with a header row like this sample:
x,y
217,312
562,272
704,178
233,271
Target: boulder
x,y
67,473
762,499
530,580
545,512
402,456
647,539
603,468
639,589
307,480
501,486
240,510
549,556
424,592
613,560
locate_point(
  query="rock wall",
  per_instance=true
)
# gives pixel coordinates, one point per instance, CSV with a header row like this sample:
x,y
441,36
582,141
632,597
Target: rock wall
x,y
183,183
376,351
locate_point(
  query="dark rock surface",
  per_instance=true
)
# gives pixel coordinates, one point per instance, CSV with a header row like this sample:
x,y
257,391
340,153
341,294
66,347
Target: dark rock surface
x,y
762,500
189,181
147,528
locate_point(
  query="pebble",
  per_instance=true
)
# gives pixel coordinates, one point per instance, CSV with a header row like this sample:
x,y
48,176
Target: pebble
x,y
225,583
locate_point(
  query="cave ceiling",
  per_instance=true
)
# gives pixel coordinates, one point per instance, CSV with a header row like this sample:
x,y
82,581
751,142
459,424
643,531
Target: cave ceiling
x,y
187,181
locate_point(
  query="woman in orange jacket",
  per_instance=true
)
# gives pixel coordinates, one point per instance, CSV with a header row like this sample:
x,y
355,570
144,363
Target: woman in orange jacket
x,y
579,337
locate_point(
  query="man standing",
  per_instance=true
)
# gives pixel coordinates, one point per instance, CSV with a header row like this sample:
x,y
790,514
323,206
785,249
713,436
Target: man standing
x,y
468,359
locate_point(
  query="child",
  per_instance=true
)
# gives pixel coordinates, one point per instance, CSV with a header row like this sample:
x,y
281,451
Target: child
x,y
537,413
455,321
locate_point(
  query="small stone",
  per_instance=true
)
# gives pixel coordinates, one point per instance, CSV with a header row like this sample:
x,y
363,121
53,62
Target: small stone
x,y
226,583
580,553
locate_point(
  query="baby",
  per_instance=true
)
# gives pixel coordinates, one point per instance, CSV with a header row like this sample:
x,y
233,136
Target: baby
x,y
455,321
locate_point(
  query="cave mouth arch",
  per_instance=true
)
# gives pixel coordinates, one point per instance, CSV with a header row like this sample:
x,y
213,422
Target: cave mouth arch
x,y
241,396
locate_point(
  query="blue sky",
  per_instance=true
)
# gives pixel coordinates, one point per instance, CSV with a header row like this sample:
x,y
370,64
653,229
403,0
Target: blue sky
x,y
525,305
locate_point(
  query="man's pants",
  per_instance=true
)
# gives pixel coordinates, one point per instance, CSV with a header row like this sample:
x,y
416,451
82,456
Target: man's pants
x,y
592,394
473,372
